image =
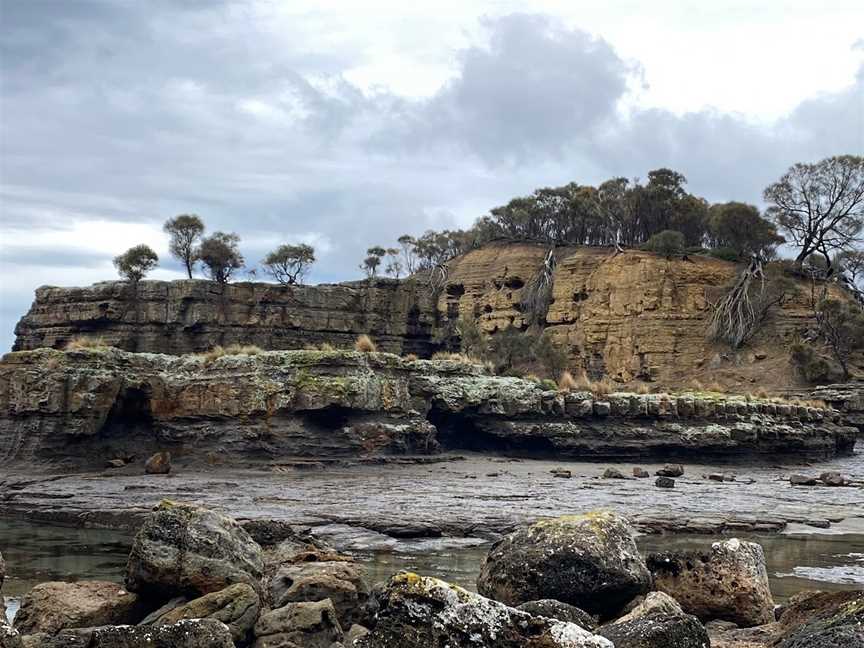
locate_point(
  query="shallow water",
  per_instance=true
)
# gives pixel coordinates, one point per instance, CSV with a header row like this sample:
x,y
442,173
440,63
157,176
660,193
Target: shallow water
x,y
36,552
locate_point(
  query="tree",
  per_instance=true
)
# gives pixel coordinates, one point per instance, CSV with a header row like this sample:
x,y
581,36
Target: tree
x,y
667,243
851,264
551,355
394,264
221,256
407,243
820,206
370,264
134,264
739,226
841,324
289,264
185,231
508,348
472,340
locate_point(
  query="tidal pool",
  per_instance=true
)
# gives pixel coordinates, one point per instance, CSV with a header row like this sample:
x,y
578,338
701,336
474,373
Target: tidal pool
x,y
37,552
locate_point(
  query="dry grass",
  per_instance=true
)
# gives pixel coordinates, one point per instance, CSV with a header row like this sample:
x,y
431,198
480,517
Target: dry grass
x,y
643,389
411,357
78,343
761,394
603,387
364,344
566,383
461,358
218,351
327,347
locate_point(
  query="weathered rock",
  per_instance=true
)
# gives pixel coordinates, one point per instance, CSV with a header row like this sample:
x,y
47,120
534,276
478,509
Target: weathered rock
x,y
822,620
355,632
310,625
2,571
54,606
657,629
834,479
590,561
561,472
184,549
236,606
552,609
158,464
418,612
203,633
343,583
9,637
664,482
726,581
651,603
641,473
802,480
613,473
670,470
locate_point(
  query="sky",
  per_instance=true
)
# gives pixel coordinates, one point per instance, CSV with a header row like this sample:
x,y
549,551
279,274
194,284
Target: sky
x,y
346,124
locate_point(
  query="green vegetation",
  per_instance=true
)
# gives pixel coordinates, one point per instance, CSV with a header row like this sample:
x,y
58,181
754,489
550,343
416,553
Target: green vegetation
x,y
134,264
289,264
221,256
185,231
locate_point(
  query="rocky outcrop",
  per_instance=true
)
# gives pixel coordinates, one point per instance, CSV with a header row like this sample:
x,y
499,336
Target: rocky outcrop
x,y
54,606
631,315
308,624
88,406
419,612
590,561
195,315
727,581
236,606
184,549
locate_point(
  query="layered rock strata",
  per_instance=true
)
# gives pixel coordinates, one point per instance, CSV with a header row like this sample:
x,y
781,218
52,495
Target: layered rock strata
x,y
88,406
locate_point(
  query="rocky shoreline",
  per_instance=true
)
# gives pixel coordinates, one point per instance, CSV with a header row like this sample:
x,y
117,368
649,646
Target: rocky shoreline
x,y
197,578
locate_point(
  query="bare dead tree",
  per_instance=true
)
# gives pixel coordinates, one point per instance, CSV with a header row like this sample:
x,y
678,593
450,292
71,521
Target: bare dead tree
x,y
537,295
742,310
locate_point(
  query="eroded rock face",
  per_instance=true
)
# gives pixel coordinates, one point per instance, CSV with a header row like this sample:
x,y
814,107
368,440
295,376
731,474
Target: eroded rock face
x,y
184,549
54,606
236,606
726,581
418,612
78,407
590,561
311,625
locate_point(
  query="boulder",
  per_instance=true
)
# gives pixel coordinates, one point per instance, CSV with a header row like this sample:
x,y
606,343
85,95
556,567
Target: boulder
x,y
342,582
670,470
613,473
641,473
823,620
834,479
590,561
189,550
656,630
9,638
726,581
418,612
236,606
802,480
664,482
354,633
193,633
54,606
552,609
158,464
306,625
561,472
651,603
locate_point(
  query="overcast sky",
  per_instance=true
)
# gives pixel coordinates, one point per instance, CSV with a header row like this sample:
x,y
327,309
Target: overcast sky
x,y
346,124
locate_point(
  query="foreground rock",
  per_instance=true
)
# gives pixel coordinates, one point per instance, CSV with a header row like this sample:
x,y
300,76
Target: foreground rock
x,y
552,609
158,464
823,620
9,638
590,561
205,633
726,581
236,606
54,606
310,625
188,550
418,612
657,621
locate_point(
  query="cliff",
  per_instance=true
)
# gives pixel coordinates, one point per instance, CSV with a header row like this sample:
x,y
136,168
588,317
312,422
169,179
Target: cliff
x,y
81,408
633,316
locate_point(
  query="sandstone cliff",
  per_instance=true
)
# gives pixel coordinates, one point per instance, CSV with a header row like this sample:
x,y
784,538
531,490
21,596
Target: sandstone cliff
x,y
632,316
84,407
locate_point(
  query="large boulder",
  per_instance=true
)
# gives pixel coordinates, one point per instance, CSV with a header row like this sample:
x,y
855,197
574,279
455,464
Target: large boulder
x,y
54,606
418,612
184,549
203,633
656,620
236,606
823,620
590,561
727,581
296,625
342,582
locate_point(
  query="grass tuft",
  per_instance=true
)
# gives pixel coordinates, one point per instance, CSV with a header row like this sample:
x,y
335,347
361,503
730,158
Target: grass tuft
x,y
364,344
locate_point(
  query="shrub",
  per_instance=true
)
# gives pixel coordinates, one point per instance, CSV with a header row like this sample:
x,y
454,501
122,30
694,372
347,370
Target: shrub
x,y
411,357
78,343
667,243
551,355
841,324
812,366
472,340
364,344
134,264
508,348
221,256
724,253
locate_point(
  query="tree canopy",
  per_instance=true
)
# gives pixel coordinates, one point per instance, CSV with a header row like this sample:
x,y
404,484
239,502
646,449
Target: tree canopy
x,y
184,231
289,264
134,264
221,256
